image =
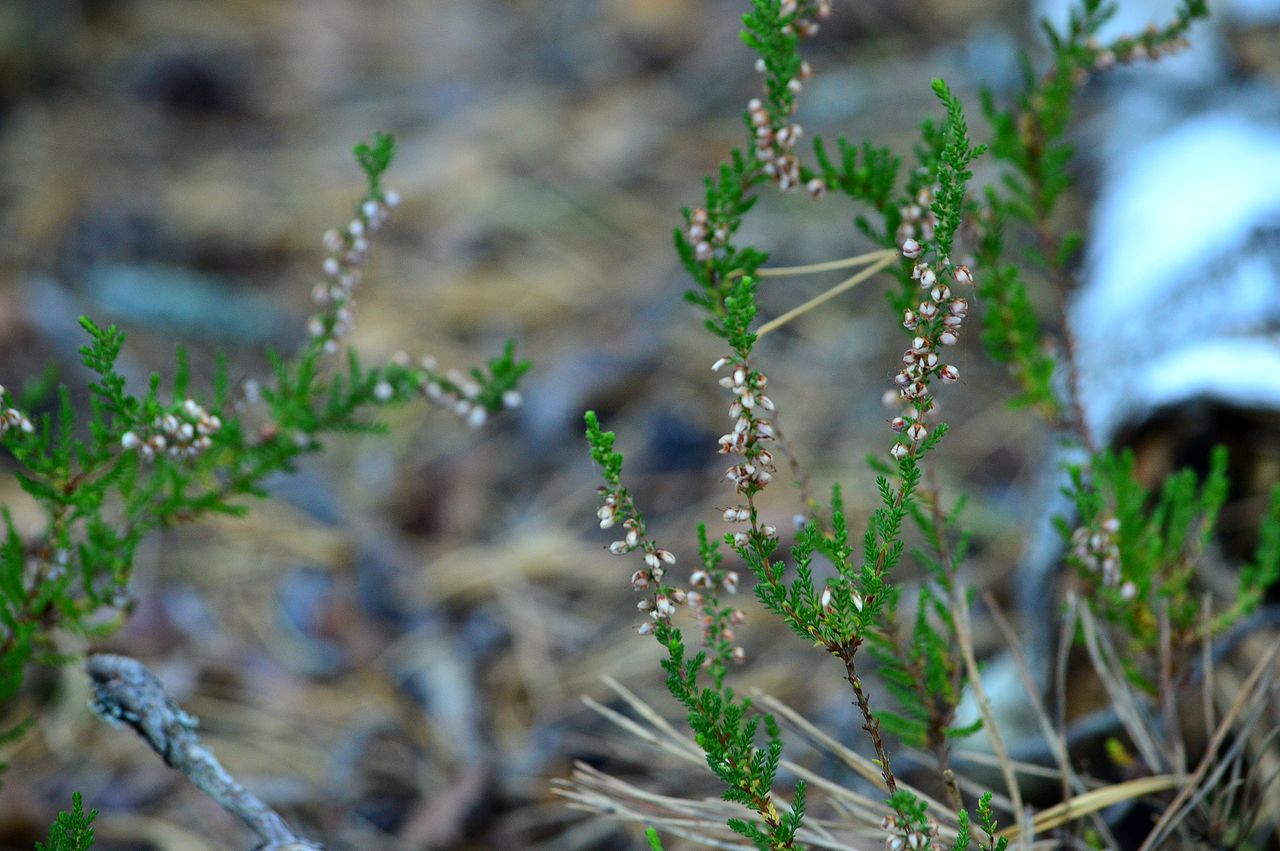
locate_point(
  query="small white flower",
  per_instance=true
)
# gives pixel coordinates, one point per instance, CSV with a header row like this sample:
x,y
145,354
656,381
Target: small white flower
x,y
383,391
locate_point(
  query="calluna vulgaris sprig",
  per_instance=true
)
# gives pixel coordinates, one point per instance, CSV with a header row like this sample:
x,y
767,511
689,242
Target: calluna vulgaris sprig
x,y
849,609
169,457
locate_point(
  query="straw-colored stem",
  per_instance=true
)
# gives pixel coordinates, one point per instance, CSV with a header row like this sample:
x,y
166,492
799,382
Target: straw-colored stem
x,y
846,284
827,266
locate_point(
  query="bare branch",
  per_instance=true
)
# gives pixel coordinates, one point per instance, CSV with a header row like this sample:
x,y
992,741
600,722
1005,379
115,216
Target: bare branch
x,y
126,692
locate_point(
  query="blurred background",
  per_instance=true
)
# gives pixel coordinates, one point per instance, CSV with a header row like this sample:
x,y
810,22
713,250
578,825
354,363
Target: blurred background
x,y
393,651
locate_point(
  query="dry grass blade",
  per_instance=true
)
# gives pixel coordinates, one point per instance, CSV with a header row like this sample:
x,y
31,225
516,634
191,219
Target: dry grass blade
x,y
828,266
964,637
594,791
1057,743
1249,690
1206,662
1230,762
1135,721
1168,702
864,767
1098,799
702,821
847,284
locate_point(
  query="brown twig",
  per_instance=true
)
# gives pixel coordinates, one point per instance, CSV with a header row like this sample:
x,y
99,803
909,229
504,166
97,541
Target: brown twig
x,y
126,692
869,722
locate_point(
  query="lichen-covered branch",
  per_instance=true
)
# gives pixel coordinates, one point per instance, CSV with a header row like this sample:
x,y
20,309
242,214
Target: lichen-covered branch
x,y
127,693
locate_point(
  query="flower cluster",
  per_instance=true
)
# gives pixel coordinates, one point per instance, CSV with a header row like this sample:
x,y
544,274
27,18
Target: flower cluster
x,y
750,429
184,434
1095,549
936,323
704,235
450,390
348,250
661,603
775,145
1150,45
918,218
13,419
806,16
905,837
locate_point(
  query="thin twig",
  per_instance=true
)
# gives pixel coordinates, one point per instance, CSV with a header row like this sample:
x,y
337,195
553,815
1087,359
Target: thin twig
x,y
964,637
126,692
1168,705
1206,664
828,266
846,284
1136,721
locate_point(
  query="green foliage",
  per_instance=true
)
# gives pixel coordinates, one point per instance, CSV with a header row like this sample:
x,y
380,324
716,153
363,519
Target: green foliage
x,y
724,726
987,820
374,159
1263,573
924,671
1030,139
71,831
1137,551
140,461
1159,538
602,452
865,173
726,202
726,731
953,173
962,832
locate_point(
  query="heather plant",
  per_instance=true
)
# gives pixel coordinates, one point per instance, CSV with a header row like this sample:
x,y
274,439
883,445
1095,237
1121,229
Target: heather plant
x,y
1137,608
71,831
172,453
